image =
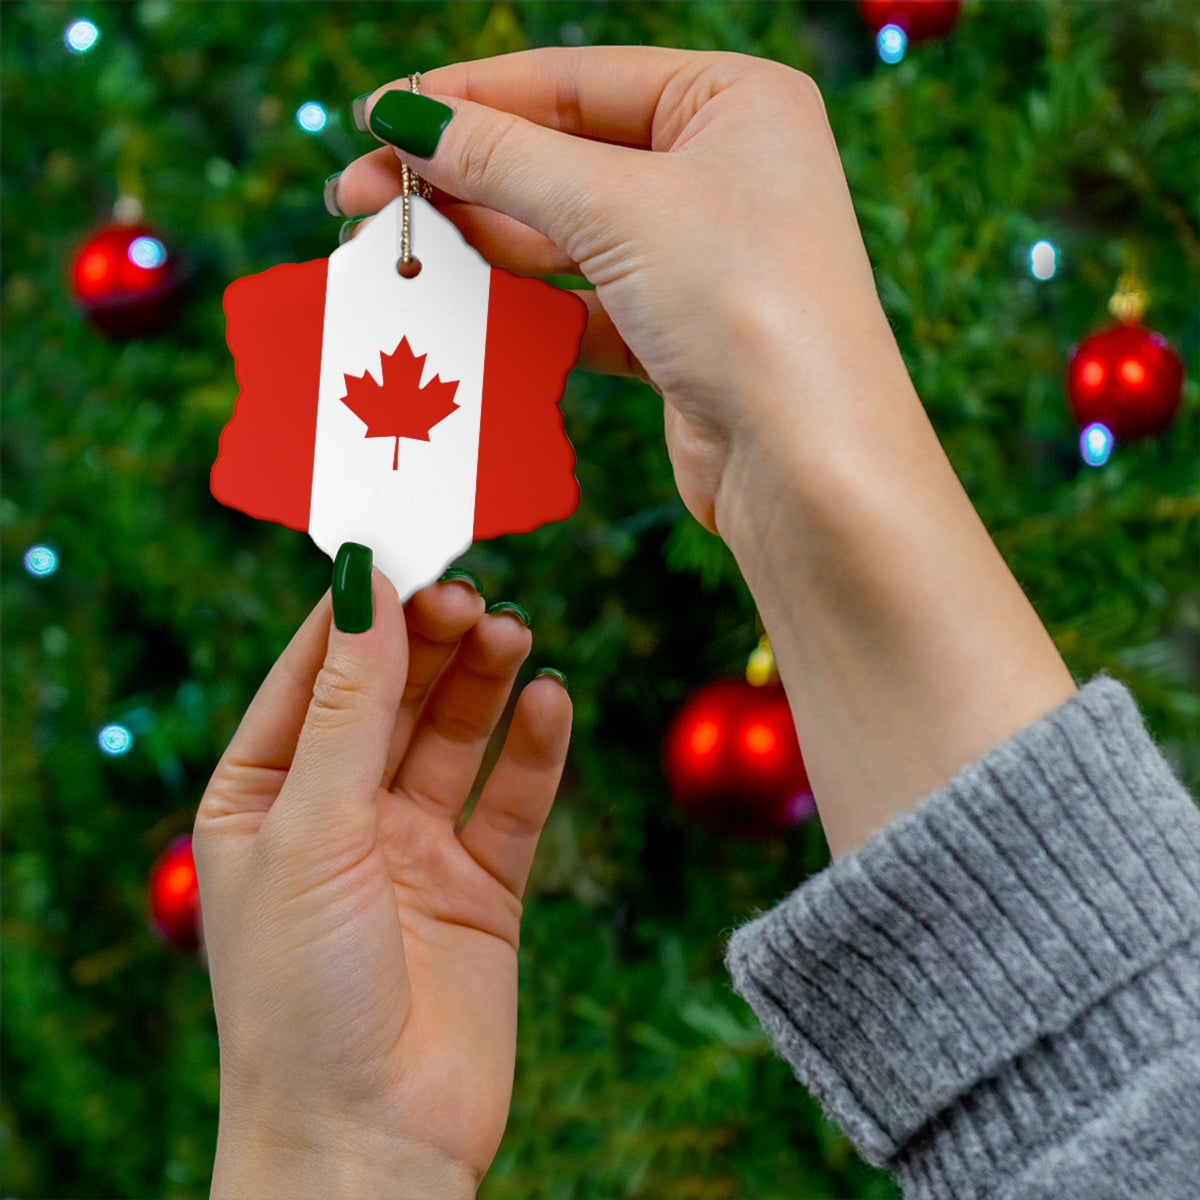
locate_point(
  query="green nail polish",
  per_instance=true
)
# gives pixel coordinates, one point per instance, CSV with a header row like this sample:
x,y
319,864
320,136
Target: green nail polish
x,y
512,609
329,194
553,674
414,123
353,611
457,573
347,230
358,110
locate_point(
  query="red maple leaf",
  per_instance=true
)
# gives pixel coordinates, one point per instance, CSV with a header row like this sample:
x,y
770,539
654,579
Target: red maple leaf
x,y
399,407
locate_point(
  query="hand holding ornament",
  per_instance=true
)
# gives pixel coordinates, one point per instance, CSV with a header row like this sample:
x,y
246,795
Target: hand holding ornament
x,y
363,951
703,196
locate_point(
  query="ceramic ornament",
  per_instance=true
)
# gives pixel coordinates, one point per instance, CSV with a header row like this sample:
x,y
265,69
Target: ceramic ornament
x,y
412,415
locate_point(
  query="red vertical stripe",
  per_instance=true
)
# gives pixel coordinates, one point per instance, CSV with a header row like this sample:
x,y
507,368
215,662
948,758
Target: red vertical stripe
x,y
526,473
275,323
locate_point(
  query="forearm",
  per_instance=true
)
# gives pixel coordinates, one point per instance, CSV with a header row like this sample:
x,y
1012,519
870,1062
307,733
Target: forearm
x,y
906,646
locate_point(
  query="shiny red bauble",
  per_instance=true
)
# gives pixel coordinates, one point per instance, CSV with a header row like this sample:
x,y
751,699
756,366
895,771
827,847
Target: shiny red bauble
x,y
920,19
733,761
126,280
1128,379
175,896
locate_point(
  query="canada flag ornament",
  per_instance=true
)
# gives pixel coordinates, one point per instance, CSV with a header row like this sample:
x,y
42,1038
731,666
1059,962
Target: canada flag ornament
x,y
414,415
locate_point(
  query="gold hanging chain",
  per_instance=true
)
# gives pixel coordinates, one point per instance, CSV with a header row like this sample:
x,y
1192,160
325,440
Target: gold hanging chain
x,y
410,183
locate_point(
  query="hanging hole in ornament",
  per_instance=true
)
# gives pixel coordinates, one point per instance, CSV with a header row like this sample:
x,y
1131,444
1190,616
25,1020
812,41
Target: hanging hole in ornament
x,y
408,270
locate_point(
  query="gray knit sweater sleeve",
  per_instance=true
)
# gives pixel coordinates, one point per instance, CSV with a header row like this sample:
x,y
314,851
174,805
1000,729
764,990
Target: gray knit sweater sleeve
x,y
998,995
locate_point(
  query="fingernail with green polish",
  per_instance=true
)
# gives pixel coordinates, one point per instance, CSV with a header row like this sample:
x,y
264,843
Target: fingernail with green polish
x,y
348,228
511,608
414,123
358,110
329,193
353,611
553,674
457,573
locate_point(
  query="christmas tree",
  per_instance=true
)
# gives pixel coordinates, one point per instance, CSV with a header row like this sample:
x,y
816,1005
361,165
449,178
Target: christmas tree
x,y
140,615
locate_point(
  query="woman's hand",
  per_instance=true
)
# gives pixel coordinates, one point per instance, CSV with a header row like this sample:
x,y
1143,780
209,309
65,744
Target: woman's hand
x,y
704,197
363,953
731,245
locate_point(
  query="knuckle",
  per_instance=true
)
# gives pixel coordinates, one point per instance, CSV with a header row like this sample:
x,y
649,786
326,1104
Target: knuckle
x,y
338,694
512,821
735,62
484,152
808,94
534,759
568,108
806,83
457,727
796,86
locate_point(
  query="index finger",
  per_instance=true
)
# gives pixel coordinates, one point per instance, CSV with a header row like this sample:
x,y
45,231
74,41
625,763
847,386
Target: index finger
x,y
607,93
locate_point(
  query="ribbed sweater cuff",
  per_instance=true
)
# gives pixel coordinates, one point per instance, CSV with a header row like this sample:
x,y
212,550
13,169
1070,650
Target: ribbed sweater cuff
x,y
1009,918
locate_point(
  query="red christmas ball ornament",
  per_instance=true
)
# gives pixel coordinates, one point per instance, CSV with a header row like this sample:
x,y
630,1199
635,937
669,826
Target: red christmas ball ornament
x,y
733,761
1128,379
175,896
126,280
920,19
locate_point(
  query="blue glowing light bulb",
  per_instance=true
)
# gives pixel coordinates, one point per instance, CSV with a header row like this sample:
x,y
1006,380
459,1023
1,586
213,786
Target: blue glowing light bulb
x,y
1043,260
41,561
891,43
147,253
81,36
115,740
311,117
1096,444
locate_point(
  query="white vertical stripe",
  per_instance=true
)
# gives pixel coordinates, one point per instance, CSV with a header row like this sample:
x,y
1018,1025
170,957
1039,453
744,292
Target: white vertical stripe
x,y
419,518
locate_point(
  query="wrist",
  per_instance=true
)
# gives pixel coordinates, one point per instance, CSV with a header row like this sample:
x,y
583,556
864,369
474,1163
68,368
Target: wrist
x,y
306,1156
815,381
826,415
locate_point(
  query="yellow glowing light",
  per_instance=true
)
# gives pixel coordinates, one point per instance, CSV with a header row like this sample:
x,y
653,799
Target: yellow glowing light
x,y
1132,372
179,879
759,739
705,737
1092,373
94,267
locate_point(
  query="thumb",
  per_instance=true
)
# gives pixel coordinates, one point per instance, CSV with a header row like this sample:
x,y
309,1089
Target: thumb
x,y
340,756
549,180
